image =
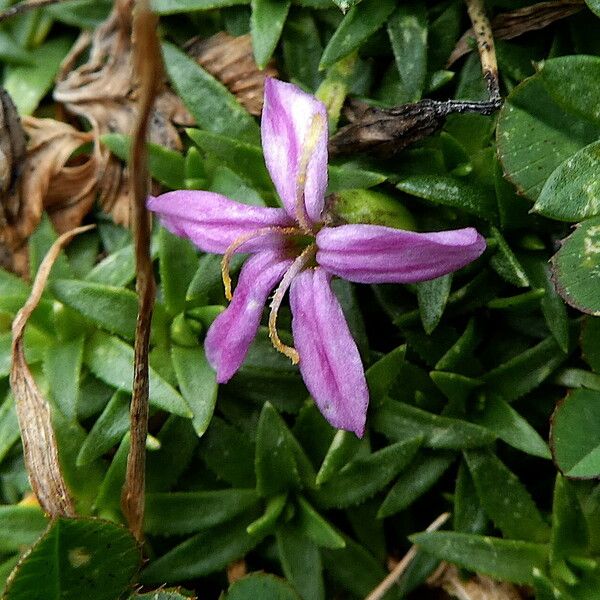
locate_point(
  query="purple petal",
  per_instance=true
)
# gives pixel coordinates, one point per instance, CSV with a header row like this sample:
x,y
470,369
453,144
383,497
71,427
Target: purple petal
x,y
212,222
294,130
376,254
232,332
329,360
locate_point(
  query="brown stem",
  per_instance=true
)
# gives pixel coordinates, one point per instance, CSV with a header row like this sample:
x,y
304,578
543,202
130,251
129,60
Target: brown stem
x,y
148,63
485,45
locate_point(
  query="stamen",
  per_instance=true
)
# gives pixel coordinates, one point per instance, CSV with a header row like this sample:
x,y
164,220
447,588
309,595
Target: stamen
x,y
303,259
242,239
315,130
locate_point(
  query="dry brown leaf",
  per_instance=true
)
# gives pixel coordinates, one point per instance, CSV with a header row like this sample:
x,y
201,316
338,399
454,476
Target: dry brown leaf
x,y
47,178
231,60
478,587
104,91
40,449
517,22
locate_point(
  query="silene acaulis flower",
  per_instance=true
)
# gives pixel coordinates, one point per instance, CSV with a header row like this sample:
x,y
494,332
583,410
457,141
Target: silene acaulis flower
x,y
298,249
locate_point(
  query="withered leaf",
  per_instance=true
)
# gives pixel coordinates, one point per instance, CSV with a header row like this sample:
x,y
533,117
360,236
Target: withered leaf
x,y
387,131
231,60
40,449
103,91
517,22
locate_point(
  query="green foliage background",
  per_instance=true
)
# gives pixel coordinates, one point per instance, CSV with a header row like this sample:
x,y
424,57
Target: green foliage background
x,y
464,372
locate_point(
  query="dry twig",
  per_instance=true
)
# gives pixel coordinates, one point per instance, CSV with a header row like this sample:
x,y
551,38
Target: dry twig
x,y
380,591
148,63
40,449
506,26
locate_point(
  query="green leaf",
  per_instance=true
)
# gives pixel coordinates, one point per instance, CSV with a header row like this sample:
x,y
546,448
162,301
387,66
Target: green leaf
x,y
535,135
228,453
358,24
261,585
407,28
178,262
506,264
302,49
468,516
62,367
570,534
179,513
111,360
198,384
28,84
108,429
354,568
20,526
204,553
553,308
498,416
108,500
266,25
9,426
455,192
575,267
397,420
570,80
164,165
426,469
507,560
117,269
301,562
113,309
39,243
590,343
246,160
164,594
382,374
312,524
11,52
575,434
504,498
72,553
350,178
267,522
210,103
572,192
171,7
343,447
276,469
432,296
461,350
365,476
594,6
526,371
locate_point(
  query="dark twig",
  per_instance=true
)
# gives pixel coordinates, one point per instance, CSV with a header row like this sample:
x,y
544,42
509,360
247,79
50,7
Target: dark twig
x,y
387,131
148,65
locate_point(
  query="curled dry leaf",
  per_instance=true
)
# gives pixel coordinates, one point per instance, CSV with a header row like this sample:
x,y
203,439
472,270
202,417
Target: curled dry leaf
x,y
477,587
37,172
387,131
517,22
104,91
40,449
231,60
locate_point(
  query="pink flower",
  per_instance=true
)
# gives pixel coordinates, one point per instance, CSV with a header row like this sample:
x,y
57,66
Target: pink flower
x,y
295,249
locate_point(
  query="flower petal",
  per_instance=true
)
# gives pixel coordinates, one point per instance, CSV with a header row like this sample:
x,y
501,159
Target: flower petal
x,y
294,140
232,332
329,360
213,222
376,254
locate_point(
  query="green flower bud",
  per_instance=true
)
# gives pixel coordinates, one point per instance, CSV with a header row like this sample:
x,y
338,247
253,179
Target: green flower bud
x,y
372,208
